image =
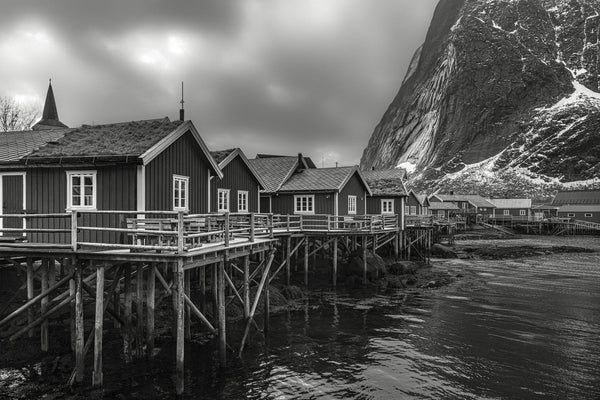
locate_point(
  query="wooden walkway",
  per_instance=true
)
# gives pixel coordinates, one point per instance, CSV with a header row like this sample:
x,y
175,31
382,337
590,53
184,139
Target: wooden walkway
x,y
134,261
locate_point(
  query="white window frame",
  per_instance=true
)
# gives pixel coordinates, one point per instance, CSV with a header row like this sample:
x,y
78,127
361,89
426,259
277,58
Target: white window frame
x,y
571,215
186,193
522,213
506,212
82,175
390,208
224,202
588,215
413,210
352,204
304,196
242,200
406,210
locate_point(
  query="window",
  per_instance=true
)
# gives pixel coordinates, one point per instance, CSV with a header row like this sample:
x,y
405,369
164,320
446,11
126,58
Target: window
x,y
406,210
180,192
413,210
425,211
351,204
387,206
506,212
223,200
521,212
570,215
242,201
440,214
304,204
588,215
81,190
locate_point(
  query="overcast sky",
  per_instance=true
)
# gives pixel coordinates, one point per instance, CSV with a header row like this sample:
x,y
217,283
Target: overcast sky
x,y
270,76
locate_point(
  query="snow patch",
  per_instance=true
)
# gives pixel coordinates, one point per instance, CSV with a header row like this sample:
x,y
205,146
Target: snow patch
x,y
407,166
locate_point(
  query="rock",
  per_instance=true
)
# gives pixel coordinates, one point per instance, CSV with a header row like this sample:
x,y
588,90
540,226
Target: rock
x,y
376,266
292,292
471,93
403,267
442,251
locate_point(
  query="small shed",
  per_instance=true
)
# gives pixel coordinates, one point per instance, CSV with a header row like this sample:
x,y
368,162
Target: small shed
x,y
388,192
511,208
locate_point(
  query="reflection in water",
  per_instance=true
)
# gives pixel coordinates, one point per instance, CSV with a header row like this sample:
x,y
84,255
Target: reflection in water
x,y
508,329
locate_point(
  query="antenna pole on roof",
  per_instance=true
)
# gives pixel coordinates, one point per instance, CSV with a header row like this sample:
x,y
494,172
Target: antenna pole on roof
x,y
181,111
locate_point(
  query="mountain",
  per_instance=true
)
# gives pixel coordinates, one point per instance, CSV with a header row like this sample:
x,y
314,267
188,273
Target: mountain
x,y
501,98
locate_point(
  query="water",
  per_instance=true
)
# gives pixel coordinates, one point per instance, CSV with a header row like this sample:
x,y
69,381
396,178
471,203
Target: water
x,y
512,329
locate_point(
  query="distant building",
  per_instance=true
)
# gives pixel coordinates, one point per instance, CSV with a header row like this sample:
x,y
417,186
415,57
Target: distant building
x,y
469,205
511,208
580,205
388,192
443,210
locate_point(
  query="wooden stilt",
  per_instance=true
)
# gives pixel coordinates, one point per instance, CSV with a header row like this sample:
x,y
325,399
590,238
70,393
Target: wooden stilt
x,y
44,306
267,300
139,308
30,292
335,261
187,289
202,285
98,326
72,292
215,295
178,293
396,243
79,339
247,286
150,300
288,250
306,252
221,326
364,257
128,299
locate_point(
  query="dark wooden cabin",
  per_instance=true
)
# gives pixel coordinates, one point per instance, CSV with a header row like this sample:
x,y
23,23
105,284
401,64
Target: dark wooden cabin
x,y
293,188
239,189
580,212
416,204
388,192
444,210
581,205
511,208
132,166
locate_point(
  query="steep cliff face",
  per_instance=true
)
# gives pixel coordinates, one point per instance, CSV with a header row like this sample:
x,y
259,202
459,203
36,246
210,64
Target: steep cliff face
x,y
498,87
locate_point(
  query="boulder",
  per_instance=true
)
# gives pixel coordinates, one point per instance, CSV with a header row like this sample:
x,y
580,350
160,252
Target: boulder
x,y
439,250
403,267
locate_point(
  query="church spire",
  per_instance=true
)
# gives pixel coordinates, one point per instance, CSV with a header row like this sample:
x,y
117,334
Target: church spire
x,y
50,114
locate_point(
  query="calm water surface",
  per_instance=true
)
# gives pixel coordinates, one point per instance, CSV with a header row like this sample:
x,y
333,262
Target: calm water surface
x,y
513,329
519,329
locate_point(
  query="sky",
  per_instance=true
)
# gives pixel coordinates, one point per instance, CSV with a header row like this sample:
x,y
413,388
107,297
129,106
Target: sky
x,y
268,76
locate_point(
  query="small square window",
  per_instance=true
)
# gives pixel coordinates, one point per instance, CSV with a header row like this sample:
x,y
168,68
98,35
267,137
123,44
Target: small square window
x,y
223,200
588,215
81,190
522,212
304,204
387,206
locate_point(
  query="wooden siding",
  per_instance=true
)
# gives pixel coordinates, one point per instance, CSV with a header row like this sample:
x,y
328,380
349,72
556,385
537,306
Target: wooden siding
x,y
265,203
183,157
284,203
499,212
355,187
12,202
374,204
236,176
46,191
580,216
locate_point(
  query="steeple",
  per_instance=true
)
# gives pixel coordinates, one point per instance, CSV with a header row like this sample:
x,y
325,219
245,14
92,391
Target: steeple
x,y
50,115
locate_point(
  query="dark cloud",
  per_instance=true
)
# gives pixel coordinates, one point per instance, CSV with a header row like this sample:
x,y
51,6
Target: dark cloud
x,y
265,75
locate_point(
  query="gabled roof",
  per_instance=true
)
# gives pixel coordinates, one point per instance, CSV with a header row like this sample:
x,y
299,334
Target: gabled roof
x,y
136,140
274,170
439,205
474,199
386,182
580,208
16,145
511,203
224,157
322,180
307,160
544,207
423,199
589,196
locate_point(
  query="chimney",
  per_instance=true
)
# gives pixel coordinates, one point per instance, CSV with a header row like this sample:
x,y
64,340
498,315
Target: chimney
x,y
452,192
372,168
300,162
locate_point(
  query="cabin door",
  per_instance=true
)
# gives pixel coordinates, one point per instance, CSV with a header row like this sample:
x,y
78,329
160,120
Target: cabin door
x,y
11,198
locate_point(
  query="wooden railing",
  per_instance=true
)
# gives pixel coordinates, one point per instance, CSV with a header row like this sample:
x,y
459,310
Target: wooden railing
x,y
175,231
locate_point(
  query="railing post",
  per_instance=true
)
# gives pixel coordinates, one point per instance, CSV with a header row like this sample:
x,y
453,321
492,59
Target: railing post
x,y
301,223
252,227
226,229
180,228
271,226
328,222
74,230
287,222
